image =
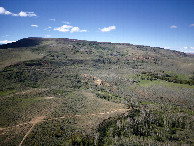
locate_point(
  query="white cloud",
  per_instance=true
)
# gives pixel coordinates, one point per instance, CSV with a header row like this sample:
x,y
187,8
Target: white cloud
x,y
191,25
107,29
52,19
34,25
26,14
15,14
21,14
173,26
47,36
76,29
83,30
6,41
4,12
64,28
192,48
68,28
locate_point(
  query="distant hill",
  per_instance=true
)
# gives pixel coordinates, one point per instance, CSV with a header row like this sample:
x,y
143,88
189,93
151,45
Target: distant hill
x,y
26,42
33,41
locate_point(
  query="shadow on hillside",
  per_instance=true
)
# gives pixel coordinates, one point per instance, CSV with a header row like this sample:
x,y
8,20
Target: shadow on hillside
x,y
26,42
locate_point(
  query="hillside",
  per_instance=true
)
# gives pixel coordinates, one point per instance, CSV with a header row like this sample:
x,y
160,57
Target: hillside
x,y
61,91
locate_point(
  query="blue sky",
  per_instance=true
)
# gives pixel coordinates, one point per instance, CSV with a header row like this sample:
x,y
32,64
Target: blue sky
x,y
158,23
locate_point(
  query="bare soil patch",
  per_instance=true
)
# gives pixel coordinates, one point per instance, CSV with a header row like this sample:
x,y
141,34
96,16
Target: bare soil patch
x,y
48,97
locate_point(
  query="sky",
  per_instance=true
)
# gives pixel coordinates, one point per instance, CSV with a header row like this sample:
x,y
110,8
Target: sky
x,y
158,23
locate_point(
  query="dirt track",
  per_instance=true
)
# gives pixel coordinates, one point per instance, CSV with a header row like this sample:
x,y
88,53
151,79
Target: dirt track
x,y
41,119
33,122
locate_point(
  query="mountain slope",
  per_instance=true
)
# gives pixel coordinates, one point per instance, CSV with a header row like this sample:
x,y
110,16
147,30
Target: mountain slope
x,y
88,86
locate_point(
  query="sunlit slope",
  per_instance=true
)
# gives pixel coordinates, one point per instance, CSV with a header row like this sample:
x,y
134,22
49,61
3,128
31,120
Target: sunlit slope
x,y
62,91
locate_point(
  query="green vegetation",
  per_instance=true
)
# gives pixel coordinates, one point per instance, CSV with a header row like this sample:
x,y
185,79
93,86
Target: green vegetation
x,y
172,77
13,56
147,102
2,93
148,83
91,93
146,127
109,97
20,108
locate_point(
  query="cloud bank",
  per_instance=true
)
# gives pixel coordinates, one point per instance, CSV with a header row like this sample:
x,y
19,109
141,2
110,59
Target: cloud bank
x,y
107,29
3,11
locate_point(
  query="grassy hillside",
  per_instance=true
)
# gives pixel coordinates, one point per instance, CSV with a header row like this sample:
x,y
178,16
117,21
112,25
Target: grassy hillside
x,y
13,56
69,92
